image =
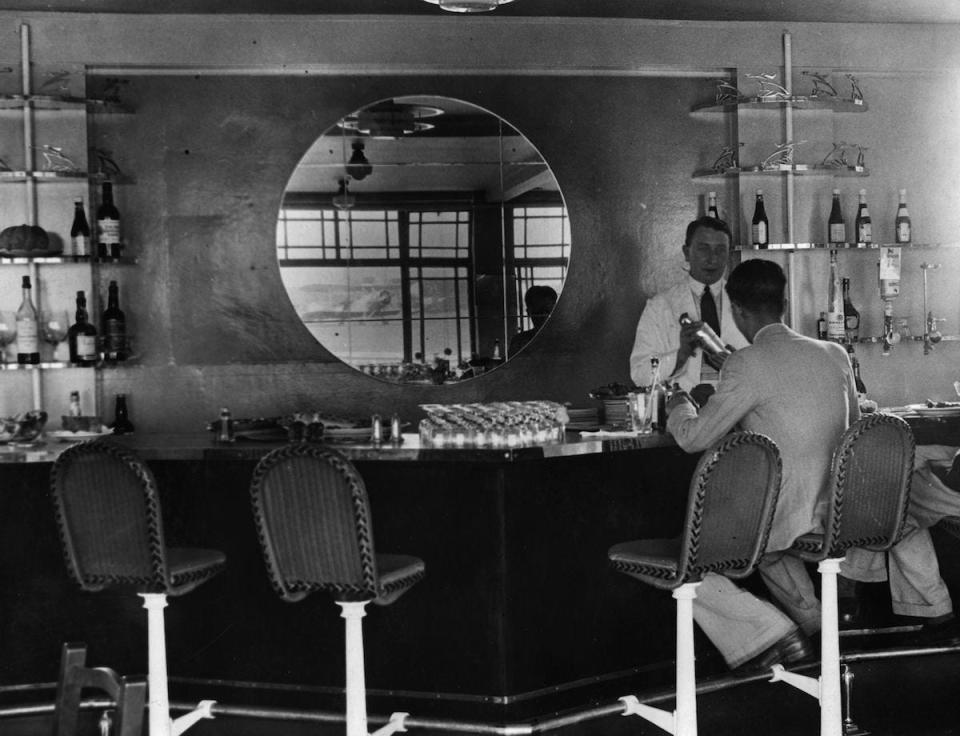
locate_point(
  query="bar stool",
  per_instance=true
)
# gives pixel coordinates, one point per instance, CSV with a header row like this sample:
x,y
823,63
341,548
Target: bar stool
x,y
869,492
733,495
109,518
313,518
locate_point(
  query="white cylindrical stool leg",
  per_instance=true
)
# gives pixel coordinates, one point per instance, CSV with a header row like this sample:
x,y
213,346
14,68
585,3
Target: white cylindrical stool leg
x,y
686,712
353,613
157,664
831,708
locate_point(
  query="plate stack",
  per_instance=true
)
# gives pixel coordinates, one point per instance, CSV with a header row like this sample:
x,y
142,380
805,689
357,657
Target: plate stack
x,y
615,412
585,419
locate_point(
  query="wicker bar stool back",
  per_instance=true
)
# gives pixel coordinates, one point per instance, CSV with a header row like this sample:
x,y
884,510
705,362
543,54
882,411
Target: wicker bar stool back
x,y
109,518
313,518
868,495
733,496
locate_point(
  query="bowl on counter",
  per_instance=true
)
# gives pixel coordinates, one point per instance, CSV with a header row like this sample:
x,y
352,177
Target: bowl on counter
x,y
23,428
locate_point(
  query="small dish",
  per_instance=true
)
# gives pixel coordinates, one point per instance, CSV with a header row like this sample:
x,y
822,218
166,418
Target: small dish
x,y
64,435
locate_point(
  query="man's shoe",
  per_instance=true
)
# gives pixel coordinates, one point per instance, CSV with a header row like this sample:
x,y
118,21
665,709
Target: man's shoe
x,y
794,648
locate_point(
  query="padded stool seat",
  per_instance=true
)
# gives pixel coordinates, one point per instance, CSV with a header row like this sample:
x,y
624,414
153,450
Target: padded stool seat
x,y
108,515
733,495
313,517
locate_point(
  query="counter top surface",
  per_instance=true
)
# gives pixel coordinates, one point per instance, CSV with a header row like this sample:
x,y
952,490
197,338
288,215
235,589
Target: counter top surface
x,y
201,446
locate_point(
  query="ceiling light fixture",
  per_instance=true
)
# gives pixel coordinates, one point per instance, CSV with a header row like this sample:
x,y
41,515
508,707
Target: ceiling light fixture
x,y
343,200
390,120
359,167
469,6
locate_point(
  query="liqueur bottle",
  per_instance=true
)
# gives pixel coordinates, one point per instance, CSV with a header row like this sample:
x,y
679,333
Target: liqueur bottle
x,y
851,315
837,230
75,410
121,418
82,336
28,332
79,231
108,225
760,229
835,321
857,380
113,326
822,326
497,354
712,210
864,225
903,227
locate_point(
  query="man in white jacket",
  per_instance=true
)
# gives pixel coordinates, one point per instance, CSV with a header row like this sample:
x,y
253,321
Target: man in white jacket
x,y
659,333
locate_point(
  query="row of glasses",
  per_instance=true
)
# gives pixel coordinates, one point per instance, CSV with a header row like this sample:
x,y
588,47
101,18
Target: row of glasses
x,y
497,425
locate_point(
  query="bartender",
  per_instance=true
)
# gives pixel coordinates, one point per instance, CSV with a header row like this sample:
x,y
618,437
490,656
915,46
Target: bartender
x,y
706,250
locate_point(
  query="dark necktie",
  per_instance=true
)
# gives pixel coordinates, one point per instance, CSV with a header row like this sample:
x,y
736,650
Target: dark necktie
x,y
708,310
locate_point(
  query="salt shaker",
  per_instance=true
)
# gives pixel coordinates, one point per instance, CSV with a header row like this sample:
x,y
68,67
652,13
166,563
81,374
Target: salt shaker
x,y
225,433
376,435
395,437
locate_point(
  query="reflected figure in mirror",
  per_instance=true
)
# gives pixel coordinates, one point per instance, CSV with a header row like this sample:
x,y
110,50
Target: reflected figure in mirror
x,y
540,301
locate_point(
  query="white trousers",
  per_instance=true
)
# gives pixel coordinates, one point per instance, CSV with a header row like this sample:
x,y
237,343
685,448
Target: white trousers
x,y
916,588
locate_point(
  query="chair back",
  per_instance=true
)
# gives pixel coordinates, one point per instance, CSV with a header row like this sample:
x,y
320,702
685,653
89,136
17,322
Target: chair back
x,y
869,485
108,515
732,499
313,518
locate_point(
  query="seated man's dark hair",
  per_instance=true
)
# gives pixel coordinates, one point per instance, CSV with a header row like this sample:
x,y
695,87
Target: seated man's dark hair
x,y
759,286
710,223
540,300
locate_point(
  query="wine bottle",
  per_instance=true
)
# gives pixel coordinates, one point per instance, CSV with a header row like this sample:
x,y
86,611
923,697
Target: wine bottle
x,y
903,228
851,315
837,230
82,336
79,231
863,223
113,326
835,323
121,417
760,229
822,326
108,225
712,210
28,331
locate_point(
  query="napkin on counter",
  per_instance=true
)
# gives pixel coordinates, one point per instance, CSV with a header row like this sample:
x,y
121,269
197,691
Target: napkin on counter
x,y
606,433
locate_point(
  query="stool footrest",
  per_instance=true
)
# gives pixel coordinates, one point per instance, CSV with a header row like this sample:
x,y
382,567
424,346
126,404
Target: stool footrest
x,y
203,710
657,716
809,685
396,723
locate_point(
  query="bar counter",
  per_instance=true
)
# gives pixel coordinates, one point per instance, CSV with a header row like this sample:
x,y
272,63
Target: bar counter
x,y
518,605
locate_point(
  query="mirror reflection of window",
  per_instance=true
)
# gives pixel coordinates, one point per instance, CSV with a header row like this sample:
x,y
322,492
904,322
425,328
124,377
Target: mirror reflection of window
x,y
422,277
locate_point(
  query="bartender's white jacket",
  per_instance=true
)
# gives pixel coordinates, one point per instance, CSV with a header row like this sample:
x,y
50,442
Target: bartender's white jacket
x,y
658,333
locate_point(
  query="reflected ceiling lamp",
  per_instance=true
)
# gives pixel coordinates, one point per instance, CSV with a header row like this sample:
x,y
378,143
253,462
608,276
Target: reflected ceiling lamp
x,y
390,119
358,167
469,6
343,200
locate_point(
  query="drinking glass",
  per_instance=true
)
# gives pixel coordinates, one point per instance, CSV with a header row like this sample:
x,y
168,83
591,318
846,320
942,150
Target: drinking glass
x,y
54,324
8,331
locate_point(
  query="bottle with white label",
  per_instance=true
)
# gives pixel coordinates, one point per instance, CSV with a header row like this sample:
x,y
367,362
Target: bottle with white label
x,y
82,336
79,231
28,331
903,232
837,231
760,226
864,225
109,244
835,320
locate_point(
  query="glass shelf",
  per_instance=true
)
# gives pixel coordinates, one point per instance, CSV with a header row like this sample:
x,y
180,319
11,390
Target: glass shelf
x,y
66,365
60,102
798,102
797,169
826,247
21,176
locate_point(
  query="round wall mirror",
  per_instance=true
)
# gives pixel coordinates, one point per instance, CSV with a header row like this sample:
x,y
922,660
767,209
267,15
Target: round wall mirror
x,y
423,239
